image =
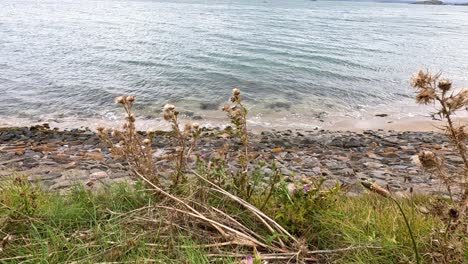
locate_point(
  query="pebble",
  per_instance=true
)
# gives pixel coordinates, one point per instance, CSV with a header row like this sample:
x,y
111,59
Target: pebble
x,y
61,158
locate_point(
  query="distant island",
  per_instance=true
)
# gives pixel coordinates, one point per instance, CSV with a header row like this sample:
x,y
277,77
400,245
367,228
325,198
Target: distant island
x,y
429,2
437,2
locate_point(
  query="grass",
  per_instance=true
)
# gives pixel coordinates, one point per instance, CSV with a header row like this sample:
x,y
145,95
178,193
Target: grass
x,y
104,226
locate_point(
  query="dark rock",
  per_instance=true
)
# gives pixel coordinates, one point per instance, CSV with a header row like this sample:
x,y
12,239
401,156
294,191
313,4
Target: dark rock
x,y
381,115
209,106
279,105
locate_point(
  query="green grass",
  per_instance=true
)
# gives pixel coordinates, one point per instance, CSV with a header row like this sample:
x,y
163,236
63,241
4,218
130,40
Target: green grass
x,y
92,227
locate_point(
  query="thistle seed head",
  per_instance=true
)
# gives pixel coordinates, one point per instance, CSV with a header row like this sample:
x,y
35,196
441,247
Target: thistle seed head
x,y
423,80
445,85
169,112
168,116
169,107
236,113
227,108
419,80
130,98
188,126
131,118
428,159
120,100
236,92
426,96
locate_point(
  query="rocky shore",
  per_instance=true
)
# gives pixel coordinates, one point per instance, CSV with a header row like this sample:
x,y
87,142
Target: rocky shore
x,y
58,159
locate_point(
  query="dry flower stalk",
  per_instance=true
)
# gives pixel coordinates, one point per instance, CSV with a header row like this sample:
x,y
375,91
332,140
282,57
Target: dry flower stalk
x,y
186,141
434,164
430,88
127,144
237,114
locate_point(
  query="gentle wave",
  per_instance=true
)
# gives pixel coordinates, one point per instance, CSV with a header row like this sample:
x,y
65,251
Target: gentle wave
x,y
63,59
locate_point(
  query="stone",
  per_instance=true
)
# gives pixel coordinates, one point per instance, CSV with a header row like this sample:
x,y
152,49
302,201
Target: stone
x,y
346,172
292,189
99,175
45,177
97,156
286,172
378,174
276,150
373,165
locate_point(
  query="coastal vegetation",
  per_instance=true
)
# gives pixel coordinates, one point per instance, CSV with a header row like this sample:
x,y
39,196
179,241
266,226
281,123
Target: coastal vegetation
x,y
207,212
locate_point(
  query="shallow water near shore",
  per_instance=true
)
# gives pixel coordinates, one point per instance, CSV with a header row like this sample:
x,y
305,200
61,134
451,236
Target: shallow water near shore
x,y
301,64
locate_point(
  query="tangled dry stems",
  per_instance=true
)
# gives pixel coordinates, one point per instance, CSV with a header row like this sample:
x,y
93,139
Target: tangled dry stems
x,y
237,113
186,141
216,225
431,88
211,224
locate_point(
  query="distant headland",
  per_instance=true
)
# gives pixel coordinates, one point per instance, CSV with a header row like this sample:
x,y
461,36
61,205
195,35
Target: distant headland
x,y
429,2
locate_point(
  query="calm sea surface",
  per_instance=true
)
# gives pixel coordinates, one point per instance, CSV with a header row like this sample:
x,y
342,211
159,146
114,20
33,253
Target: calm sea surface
x,y
69,59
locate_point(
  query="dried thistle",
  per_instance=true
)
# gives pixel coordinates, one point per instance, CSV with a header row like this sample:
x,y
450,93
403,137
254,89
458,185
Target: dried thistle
x,y
237,114
426,96
130,145
432,163
186,141
429,160
431,88
444,85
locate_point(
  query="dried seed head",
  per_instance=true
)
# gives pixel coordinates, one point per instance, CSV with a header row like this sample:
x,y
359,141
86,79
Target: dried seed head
x,y
147,141
453,213
131,118
169,107
227,108
426,96
236,92
458,101
423,80
130,98
419,80
100,130
120,100
376,188
188,126
150,131
444,85
428,159
380,190
168,115
195,126
236,113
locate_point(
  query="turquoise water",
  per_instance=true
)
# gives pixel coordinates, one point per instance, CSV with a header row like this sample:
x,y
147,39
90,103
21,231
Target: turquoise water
x,y
71,58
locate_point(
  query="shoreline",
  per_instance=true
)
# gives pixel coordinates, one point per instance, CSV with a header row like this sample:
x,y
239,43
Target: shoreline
x,y
59,158
402,116
381,121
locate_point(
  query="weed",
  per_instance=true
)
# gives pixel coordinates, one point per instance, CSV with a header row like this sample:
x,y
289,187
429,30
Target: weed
x,y
186,141
430,88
